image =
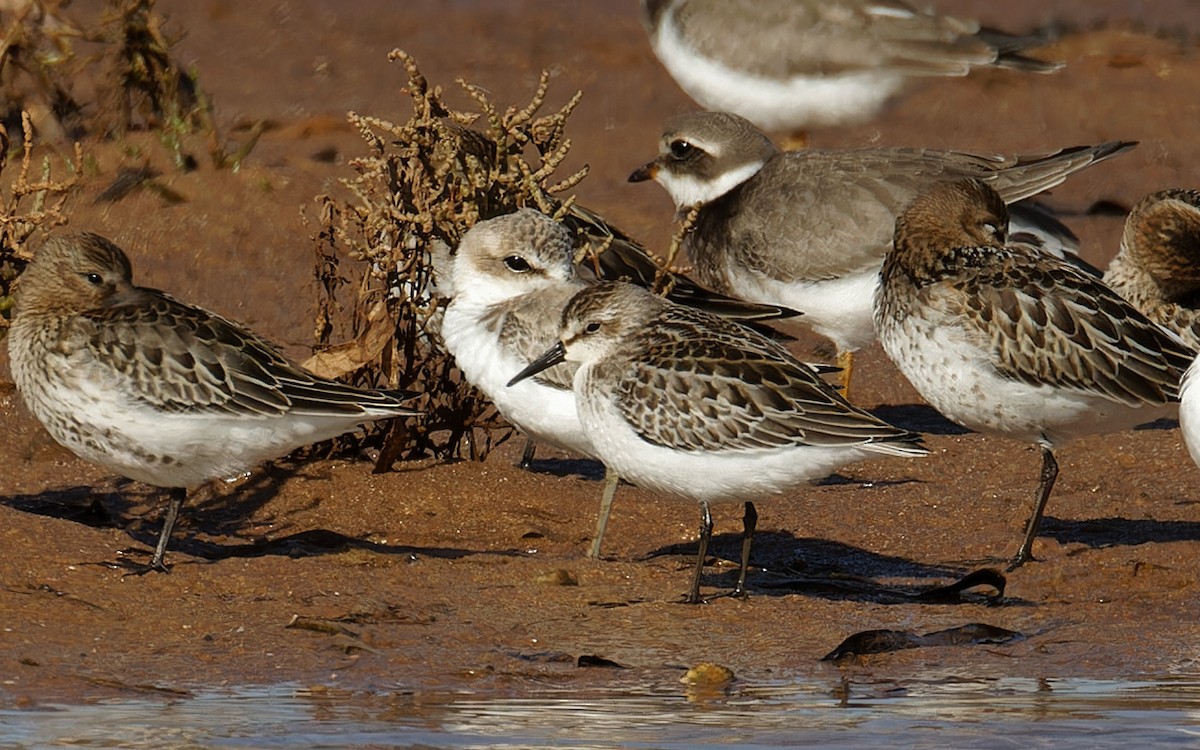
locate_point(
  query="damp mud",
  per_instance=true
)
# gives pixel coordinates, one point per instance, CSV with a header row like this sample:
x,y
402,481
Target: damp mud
x,y
454,578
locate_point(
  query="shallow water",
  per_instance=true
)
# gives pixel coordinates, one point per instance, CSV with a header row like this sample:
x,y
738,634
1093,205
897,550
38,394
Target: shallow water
x,y
1001,713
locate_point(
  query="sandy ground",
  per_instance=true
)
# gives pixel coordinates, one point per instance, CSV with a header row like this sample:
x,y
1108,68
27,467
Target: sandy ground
x,y
473,576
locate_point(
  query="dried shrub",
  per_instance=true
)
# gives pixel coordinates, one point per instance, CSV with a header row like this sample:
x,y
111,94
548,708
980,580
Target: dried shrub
x,y
421,185
142,87
37,67
34,201
125,79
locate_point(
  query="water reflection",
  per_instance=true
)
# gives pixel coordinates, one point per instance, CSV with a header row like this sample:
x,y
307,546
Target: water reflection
x,y
1000,713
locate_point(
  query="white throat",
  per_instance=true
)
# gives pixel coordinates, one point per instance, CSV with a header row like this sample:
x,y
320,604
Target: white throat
x,y
688,191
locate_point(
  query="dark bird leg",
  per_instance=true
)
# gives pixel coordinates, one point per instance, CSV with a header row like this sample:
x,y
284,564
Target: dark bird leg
x,y
1049,474
178,495
611,480
527,455
749,524
705,537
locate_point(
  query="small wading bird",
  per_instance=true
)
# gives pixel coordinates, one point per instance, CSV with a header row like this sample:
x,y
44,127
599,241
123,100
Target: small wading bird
x,y
680,401
158,390
792,65
508,282
1158,266
809,229
1002,338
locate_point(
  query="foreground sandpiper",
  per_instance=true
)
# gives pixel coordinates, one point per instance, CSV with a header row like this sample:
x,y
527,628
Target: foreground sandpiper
x,y
1002,338
1158,266
809,229
789,65
508,282
680,401
158,390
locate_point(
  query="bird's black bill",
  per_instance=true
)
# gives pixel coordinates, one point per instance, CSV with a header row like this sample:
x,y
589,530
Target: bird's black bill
x,y
644,172
556,354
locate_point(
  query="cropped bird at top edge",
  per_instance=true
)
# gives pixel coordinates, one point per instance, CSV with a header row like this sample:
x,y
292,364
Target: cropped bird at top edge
x,y
809,229
680,401
157,390
794,65
1004,339
1158,265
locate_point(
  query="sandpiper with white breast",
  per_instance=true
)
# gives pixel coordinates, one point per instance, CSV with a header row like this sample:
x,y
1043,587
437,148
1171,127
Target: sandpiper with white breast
x,y
1002,338
158,390
809,229
680,401
790,65
508,283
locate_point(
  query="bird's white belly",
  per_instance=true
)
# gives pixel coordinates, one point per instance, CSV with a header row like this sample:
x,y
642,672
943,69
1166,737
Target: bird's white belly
x,y
709,476
839,309
169,449
545,413
774,104
955,377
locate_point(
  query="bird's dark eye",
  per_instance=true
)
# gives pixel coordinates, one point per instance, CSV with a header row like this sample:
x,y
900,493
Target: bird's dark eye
x,y
681,149
516,264
94,279
592,327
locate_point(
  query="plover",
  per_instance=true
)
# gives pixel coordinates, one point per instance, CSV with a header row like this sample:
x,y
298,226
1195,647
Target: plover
x,y
1002,338
1158,265
789,65
809,229
508,283
680,401
158,390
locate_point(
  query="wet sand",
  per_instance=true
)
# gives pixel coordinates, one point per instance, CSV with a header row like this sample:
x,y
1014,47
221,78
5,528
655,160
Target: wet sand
x,y
451,576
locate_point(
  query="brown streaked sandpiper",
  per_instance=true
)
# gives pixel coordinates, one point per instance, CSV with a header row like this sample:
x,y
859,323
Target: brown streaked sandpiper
x,y
1158,265
158,390
679,401
1005,339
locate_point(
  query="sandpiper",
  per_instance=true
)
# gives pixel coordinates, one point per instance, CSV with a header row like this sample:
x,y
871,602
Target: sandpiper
x,y
158,390
680,401
1158,266
809,229
509,281
789,65
1002,338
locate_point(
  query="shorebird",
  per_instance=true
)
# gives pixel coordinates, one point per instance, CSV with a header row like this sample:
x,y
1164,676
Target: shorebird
x,y
809,229
1158,266
157,390
680,401
1002,338
507,284
791,65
